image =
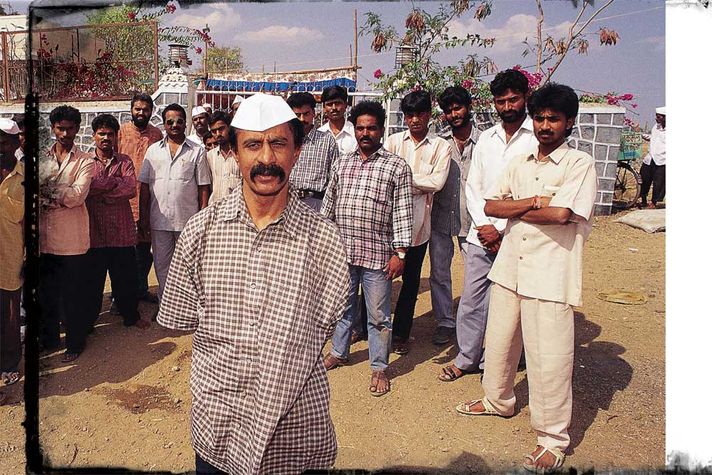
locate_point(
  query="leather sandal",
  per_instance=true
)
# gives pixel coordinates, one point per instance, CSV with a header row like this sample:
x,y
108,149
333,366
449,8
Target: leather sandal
x,y
332,362
466,408
376,377
451,373
530,460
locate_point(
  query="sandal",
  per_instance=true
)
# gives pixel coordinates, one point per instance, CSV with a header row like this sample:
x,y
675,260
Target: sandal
x,y
531,460
466,408
68,357
332,362
401,346
451,373
376,377
10,377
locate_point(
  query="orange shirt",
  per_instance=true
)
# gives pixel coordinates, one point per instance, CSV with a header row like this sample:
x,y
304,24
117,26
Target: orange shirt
x,y
134,143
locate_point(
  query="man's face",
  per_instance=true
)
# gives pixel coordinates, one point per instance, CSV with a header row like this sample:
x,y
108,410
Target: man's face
x,y
65,131
334,109
200,122
8,145
141,113
306,115
266,158
457,115
417,122
368,133
175,125
105,138
660,119
550,126
511,106
210,143
220,132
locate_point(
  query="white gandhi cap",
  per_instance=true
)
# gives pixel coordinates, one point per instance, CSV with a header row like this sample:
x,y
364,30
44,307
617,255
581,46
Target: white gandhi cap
x,y
660,110
198,110
9,126
260,112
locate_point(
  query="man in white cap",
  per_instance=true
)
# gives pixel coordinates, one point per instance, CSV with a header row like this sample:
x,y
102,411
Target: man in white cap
x,y
235,105
12,210
199,117
262,280
653,169
208,108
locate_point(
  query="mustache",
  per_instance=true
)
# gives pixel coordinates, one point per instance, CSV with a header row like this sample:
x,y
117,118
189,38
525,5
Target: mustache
x,y
267,170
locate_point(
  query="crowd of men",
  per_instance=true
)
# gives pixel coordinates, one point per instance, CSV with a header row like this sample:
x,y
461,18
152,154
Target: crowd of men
x,y
285,234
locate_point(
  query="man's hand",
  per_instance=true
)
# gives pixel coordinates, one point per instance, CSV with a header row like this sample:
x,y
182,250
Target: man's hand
x,y
544,201
487,235
143,230
394,268
494,247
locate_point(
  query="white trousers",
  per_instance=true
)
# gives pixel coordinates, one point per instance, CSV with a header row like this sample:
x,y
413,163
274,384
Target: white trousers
x,y
163,243
546,330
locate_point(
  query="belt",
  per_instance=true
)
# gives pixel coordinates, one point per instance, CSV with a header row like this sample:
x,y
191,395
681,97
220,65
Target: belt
x,y
310,194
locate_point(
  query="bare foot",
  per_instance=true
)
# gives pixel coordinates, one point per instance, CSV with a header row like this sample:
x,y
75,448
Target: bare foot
x,y
380,384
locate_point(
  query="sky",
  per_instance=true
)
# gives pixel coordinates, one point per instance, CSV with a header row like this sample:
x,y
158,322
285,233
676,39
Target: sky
x,y
314,35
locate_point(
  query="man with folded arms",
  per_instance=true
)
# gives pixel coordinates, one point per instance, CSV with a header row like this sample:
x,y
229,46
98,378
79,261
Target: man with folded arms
x,y
262,280
548,198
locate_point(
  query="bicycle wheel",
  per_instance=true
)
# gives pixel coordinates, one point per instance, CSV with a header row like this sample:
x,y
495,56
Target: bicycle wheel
x,y
627,187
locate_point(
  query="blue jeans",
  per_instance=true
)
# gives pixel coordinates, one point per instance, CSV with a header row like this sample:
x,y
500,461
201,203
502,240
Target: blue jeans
x,y
441,254
377,291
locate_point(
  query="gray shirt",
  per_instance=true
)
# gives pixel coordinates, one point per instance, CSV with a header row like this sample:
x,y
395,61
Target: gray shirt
x,y
449,214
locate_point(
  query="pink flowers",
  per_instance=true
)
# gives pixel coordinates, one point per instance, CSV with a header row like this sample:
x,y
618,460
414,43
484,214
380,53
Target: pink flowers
x,y
467,84
198,49
378,74
533,79
170,8
131,15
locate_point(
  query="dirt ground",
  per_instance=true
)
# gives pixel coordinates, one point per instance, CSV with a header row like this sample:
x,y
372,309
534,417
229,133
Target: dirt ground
x,y
125,402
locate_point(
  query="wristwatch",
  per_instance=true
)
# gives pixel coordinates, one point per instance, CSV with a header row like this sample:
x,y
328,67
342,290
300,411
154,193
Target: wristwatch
x,y
400,254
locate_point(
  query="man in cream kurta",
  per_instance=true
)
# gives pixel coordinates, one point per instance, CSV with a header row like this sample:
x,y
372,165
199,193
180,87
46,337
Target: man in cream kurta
x,y
548,198
428,157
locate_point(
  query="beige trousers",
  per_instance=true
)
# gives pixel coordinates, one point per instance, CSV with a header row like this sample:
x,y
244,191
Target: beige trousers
x,y
546,329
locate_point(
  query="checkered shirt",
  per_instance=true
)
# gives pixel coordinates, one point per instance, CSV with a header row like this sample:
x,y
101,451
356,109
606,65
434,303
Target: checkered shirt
x,y
311,172
371,202
262,304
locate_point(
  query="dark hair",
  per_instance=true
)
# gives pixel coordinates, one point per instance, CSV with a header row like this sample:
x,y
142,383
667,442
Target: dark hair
x,y
19,120
217,117
368,108
207,135
105,120
557,97
301,99
173,107
334,92
454,95
294,124
415,102
509,79
65,112
142,97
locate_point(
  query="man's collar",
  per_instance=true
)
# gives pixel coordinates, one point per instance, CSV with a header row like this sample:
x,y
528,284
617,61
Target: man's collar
x,y
528,124
556,155
348,128
474,133
234,206
408,136
311,136
52,150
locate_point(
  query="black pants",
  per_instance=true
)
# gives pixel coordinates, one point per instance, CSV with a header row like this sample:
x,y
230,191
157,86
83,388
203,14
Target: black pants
x,y
203,467
655,175
62,292
10,345
124,285
144,260
405,307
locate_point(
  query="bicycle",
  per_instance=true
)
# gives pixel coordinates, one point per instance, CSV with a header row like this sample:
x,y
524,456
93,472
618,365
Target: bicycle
x,y
626,190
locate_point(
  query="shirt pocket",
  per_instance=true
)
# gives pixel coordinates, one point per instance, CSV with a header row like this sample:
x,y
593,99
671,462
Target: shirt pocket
x,y
550,190
183,170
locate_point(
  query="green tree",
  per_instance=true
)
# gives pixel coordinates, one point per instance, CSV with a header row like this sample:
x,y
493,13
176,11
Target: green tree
x,y
224,59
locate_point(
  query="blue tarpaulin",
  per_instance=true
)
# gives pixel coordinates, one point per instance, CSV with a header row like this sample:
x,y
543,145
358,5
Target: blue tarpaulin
x,y
268,86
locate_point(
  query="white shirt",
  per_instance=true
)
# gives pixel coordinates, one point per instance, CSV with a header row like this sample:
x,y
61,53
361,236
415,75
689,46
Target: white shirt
x,y
345,139
656,152
196,139
429,160
491,155
225,173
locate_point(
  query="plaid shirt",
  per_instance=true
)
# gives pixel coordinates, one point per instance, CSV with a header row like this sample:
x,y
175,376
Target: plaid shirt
x,y
311,171
262,304
111,222
371,202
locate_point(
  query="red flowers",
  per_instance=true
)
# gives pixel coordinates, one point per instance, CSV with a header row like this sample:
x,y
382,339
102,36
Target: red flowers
x,y
170,8
467,84
378,74
131,15
198,49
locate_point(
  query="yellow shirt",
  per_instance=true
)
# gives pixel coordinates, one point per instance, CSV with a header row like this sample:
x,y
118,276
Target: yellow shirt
x,y
12,212
543,261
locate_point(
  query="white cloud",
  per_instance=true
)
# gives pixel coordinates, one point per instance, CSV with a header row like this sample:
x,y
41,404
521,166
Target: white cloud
x,y
222,19
293,35
509,37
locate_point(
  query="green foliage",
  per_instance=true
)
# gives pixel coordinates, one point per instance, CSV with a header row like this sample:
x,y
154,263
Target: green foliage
x,y
223,59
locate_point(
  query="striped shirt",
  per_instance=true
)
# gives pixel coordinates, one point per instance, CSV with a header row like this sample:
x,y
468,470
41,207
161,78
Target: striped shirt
x,y
225,173
371,202
311,172
262,304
